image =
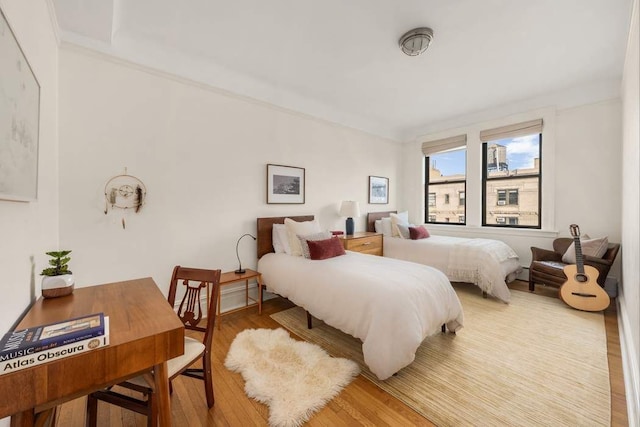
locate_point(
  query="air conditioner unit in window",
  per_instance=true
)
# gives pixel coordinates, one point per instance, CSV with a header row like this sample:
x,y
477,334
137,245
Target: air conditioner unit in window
x,y
502,202
500,220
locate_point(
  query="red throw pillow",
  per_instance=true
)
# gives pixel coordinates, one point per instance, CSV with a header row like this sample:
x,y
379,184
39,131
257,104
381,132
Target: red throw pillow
x,y
418,233
323,249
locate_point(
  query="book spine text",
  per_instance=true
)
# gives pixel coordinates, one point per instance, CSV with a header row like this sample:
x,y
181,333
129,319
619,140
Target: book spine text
x,y
30,360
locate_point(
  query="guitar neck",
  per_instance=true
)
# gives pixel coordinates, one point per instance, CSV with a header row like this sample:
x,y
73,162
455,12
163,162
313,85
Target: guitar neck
x,y
579,260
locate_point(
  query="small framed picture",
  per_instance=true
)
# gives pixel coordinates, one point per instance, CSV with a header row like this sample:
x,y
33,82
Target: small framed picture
x,y
285,184
378,190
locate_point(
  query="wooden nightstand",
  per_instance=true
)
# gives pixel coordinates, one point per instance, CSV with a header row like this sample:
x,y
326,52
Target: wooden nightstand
x,y
364,242
230,277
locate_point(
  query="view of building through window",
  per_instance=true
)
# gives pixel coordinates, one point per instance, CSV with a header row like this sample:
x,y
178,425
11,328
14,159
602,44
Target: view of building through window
x,y
511,181
445,187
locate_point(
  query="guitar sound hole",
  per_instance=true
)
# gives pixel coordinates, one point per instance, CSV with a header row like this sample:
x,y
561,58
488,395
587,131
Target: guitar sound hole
x,y
581,278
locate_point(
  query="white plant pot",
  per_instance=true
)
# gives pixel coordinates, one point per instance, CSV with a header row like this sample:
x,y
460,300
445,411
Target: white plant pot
x,y
57,286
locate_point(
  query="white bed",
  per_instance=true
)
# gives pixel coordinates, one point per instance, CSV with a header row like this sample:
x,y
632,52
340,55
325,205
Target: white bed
x,y
390,305
487,263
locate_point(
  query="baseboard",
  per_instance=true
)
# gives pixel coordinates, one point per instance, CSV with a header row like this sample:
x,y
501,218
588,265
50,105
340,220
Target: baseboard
x,y
629,365
524,274
233,297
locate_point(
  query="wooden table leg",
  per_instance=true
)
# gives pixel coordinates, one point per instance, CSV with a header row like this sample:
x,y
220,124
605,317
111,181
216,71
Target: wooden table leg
x,y
162,391
218,314
246,293
23,419
259,280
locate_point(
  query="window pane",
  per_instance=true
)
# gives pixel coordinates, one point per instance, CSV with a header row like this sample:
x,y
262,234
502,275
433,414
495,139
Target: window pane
x,y
511,187
446,175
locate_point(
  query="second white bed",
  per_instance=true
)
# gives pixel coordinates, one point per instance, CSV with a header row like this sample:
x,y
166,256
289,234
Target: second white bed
x,y
487,263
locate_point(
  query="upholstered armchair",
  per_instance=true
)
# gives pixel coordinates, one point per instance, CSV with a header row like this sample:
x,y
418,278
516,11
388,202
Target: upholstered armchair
x,y
547,266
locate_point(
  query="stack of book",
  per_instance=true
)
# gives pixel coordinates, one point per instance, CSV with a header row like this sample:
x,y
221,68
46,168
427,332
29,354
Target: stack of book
x,y
41,344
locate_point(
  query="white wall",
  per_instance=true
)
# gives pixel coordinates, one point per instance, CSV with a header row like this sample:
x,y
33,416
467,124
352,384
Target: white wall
x,y
581,180
28,230
202,155
629,301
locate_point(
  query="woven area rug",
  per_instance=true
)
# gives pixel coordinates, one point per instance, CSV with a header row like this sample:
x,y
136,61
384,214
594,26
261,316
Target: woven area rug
x,y
295,378
534,362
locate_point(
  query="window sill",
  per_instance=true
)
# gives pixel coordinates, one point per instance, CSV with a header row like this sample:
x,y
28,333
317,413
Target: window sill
x,y
474,231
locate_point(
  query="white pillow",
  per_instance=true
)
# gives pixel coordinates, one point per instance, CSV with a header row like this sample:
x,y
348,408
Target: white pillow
x,y
323,235
591,247
280,239
383,226
399,218
294,229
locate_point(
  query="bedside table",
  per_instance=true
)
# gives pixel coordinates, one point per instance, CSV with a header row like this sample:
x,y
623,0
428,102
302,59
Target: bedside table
x,y
230,277
364,242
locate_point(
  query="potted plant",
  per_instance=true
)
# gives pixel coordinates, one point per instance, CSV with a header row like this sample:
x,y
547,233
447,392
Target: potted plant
x,y
58,280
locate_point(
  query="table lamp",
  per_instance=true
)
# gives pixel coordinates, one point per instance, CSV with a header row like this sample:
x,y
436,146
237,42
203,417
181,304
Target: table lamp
x,y
349,208
241,270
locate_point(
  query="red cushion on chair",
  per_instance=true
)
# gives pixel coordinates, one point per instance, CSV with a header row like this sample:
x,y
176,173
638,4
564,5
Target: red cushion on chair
x,y
418,233
323,249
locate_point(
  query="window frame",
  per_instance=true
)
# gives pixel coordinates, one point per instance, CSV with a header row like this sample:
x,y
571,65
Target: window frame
x,y
506,188
427,204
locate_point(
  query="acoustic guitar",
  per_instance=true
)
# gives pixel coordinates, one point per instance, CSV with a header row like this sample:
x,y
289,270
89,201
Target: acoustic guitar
x,y
581,290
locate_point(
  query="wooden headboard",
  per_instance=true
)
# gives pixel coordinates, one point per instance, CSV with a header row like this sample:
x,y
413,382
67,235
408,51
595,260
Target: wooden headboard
x,y
265,229
373,216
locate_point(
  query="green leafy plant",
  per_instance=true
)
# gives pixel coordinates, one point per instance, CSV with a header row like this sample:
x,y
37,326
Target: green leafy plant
x,y
58,262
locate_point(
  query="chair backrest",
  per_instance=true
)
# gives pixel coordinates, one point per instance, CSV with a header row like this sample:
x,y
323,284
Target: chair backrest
x,y
195,280
561,244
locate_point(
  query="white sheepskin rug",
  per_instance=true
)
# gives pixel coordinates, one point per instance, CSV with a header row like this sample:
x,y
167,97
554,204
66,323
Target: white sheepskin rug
x,y
294,378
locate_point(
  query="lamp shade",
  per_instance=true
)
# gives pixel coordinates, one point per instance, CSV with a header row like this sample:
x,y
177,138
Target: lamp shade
x,y
350,209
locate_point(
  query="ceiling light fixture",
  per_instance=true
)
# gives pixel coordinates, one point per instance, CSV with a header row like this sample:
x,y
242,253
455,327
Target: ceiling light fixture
x,y
416,41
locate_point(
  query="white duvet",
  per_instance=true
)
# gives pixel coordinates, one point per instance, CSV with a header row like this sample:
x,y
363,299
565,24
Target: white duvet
x,y
390,305
483,262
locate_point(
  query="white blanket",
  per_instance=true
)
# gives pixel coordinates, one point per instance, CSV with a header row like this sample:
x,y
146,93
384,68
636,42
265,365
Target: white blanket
x,y
391,305
483,262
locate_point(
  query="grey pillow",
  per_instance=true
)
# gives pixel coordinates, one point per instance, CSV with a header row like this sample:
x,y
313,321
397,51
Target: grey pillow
x,y
323,235
404,230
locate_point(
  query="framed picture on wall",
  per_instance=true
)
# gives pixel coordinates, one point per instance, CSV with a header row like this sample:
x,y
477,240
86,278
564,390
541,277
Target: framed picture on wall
x,y
285,184
378,190
19,120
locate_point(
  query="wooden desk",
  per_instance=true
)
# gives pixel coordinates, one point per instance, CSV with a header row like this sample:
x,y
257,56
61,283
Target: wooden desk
x,y
230,277
144,332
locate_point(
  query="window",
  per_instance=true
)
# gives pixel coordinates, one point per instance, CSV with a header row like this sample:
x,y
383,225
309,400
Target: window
x,y
511,175
445,174
461,219
507,197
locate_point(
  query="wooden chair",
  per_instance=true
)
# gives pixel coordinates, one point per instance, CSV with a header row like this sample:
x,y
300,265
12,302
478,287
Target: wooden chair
x,y
190,312
547,266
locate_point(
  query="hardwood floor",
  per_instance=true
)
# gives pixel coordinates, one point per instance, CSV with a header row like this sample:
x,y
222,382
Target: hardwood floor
x,y
360,403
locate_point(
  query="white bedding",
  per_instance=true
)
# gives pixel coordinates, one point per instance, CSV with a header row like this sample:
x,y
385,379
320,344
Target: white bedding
x,y
391,305
483,262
